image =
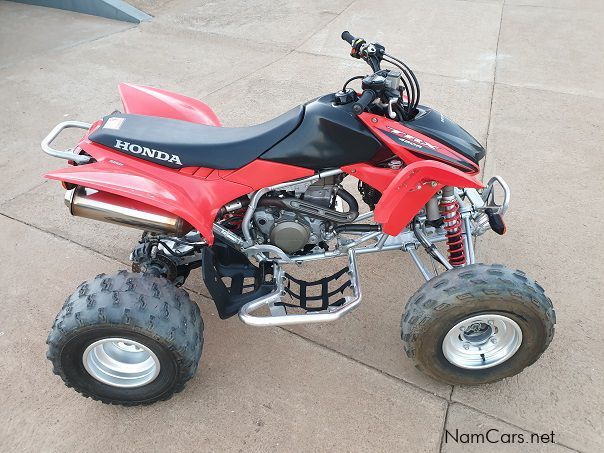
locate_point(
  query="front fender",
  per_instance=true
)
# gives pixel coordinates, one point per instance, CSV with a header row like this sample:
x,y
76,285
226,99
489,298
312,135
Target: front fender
x,y
411,189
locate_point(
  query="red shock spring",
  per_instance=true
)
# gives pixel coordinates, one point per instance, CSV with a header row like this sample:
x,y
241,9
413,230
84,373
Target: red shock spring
x,y
449,208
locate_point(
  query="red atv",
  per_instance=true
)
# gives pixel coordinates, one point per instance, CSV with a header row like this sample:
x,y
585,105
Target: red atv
x,y
244,203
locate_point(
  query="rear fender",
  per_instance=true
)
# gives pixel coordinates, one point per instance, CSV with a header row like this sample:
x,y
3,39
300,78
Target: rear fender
x,y
144,100
195,200
411,189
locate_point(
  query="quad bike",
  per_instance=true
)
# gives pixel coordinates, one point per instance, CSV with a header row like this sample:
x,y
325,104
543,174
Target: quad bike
x,y
244,203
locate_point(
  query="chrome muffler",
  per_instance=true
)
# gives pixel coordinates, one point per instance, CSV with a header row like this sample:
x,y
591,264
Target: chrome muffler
x,y
111,208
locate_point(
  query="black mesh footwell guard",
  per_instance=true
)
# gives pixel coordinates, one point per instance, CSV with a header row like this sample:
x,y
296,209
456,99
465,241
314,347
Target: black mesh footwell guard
x,y
299,290
221,261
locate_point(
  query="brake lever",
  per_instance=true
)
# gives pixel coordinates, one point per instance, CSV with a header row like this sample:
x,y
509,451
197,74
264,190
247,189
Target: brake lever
x,y
391,112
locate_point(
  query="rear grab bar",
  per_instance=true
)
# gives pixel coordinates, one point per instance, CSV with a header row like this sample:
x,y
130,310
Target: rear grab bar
x,y
68,153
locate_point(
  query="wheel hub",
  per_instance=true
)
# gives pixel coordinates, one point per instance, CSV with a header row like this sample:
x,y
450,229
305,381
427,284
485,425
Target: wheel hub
x,y
121,362
482,341
477,332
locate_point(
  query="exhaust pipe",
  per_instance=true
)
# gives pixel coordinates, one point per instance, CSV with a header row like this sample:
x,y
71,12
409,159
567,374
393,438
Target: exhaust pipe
x,y
111,208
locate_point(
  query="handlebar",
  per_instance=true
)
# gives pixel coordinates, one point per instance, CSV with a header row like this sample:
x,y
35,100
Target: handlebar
x,y
372,53
398,89
366,98
346,36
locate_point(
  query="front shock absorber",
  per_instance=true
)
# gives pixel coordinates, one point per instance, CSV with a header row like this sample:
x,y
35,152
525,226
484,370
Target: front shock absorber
x,y
449,208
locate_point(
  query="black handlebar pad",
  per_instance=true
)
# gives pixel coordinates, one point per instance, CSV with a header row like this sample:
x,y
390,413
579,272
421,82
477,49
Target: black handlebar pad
x,y
346,36
366,98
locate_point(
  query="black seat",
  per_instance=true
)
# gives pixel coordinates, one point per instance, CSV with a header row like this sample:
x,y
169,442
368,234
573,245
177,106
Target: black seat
x,y
177,144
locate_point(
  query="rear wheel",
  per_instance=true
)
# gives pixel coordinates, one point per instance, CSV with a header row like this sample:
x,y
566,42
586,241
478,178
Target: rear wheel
x,y
477,324
127,339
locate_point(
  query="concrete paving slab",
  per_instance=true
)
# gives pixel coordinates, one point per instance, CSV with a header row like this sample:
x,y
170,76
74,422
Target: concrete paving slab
x,y
257,389
284,24
595,5
43,30
555,49
43,208
151,7
469,431
555,177
419,32
371,334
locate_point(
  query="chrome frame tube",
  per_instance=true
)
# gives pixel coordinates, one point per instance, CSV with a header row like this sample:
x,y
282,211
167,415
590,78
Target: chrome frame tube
x,y
362,239
380,246
360,218
418,262
467,234
380,243
429,246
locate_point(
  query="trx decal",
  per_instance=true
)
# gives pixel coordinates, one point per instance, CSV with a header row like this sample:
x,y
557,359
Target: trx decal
x,y
144,151
411,140
418,146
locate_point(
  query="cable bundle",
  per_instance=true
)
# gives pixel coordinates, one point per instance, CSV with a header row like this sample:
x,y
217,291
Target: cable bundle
x,y
406,109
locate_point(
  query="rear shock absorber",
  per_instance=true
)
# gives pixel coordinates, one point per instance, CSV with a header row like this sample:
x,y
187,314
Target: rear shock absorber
x,y
449,208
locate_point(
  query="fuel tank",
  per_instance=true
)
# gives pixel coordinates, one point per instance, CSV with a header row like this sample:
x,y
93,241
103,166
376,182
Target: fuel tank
x,y
329,136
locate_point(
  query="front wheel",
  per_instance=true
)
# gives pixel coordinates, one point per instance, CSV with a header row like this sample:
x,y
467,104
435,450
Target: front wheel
x,y
127,339
477,324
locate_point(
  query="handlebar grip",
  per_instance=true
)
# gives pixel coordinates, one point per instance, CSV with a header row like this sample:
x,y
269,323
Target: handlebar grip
x,y
366,98
346,36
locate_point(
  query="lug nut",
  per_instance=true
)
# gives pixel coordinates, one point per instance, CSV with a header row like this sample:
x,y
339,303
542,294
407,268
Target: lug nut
x,y
491,322
466,346
494,340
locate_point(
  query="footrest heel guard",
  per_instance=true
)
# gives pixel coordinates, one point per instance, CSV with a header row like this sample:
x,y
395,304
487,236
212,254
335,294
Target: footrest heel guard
x,y
325,313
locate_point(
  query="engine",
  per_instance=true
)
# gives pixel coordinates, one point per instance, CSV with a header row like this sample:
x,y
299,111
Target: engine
x,y
301,219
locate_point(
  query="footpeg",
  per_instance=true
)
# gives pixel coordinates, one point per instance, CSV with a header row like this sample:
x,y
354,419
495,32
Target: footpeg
x,y
328,310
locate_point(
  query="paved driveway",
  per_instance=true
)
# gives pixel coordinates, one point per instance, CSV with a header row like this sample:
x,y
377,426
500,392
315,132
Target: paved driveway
x,y
523,76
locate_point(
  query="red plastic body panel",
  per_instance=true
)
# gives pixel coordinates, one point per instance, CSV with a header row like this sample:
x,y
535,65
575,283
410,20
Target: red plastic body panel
x,y
377,177
195,197
411,146
262,173
411,189
143,100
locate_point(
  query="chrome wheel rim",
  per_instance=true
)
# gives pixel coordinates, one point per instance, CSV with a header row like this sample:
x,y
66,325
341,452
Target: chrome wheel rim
x,y
121,362
482,341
